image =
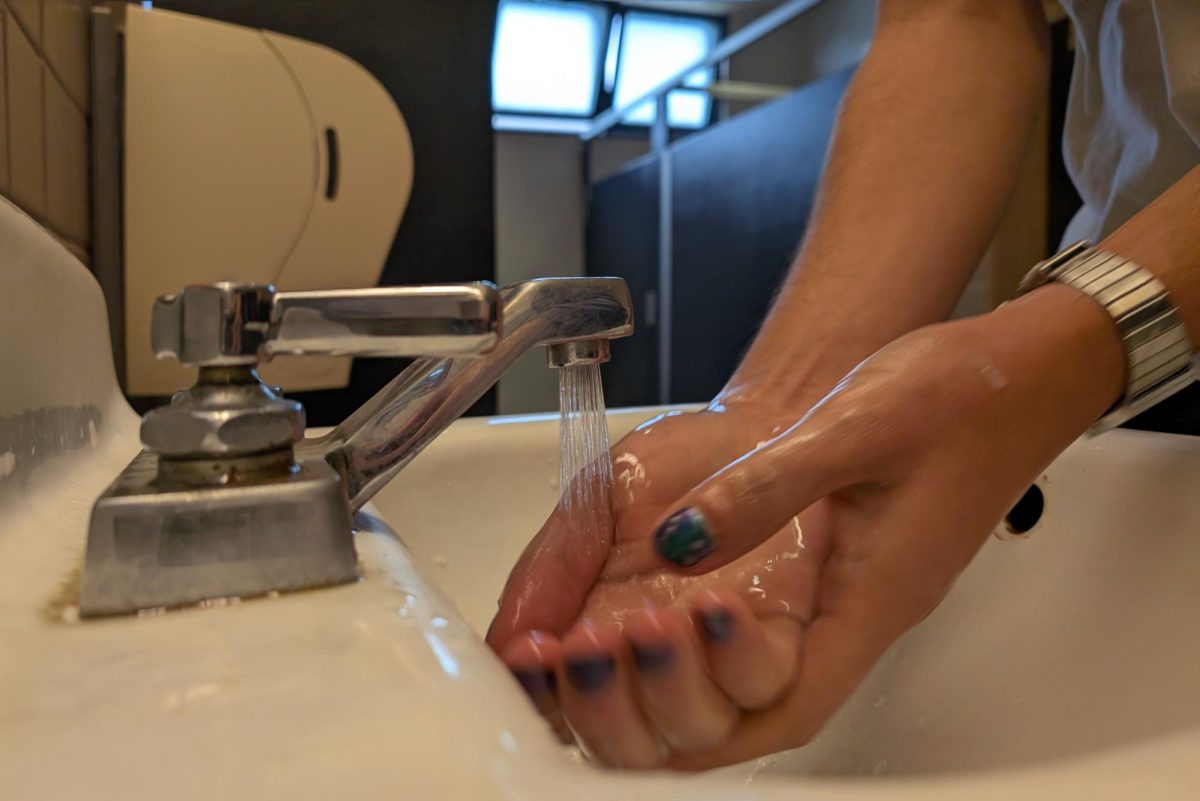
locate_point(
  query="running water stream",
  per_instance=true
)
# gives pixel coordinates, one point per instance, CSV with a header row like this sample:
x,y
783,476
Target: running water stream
x,y
585,464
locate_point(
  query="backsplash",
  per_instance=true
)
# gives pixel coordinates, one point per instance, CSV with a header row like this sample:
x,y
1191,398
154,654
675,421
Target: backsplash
x,y
45,97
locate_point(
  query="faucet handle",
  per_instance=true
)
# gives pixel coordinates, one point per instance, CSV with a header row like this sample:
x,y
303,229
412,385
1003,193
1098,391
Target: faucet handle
x,y
221,324
436,320
230,324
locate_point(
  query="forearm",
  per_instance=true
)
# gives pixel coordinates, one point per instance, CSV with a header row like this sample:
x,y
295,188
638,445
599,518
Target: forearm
x,y
1065,344
1164,238
928,142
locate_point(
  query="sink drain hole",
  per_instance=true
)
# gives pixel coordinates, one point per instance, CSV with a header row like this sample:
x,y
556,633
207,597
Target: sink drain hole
x,y
1026,513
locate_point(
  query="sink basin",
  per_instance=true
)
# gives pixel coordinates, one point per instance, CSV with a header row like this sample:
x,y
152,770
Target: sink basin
x,y
1064,664
1062,652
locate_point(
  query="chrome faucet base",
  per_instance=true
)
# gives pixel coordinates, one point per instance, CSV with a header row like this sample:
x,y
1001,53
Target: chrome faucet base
x,y
229,500
158,541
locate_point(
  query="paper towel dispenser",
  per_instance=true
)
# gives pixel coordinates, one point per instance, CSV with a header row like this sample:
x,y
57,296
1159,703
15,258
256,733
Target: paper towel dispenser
x,y
242,155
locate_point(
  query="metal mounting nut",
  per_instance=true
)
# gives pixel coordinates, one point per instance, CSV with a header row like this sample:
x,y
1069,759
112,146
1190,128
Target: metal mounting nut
x,y
212,324
223,420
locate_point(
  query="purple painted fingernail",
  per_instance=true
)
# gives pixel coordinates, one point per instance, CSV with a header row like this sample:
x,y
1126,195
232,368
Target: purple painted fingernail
x,y
590,673
537,682
717,625
649,658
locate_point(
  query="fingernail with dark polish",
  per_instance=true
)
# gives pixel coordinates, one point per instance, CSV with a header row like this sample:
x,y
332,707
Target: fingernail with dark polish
x,y
684,538
717,625
590,673
536,682
651,657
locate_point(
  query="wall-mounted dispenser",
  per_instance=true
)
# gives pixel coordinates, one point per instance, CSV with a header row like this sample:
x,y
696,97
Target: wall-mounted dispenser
x,y
236,154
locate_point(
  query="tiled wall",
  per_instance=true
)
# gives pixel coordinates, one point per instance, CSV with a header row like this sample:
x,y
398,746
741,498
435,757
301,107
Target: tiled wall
x,y
45,93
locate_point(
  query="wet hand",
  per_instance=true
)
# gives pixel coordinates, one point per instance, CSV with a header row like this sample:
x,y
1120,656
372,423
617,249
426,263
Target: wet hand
x,y
916,457
640,661
899,475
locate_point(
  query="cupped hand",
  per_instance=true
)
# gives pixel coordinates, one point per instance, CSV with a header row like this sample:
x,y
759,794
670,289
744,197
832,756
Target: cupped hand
x,y
897,476
916,456
642,662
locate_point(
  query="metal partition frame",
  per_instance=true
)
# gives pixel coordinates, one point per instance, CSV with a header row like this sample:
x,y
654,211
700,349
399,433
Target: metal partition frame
x,y
660,141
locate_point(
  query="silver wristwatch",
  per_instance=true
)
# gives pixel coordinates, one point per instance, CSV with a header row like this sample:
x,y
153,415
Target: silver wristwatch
x,y
1159,358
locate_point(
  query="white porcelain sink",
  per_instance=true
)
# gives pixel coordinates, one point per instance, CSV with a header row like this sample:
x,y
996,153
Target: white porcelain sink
x,y
1065,652
1063,665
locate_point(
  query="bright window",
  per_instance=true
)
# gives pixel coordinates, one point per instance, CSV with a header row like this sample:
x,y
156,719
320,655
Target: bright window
x,y
653,48
547,56
554,60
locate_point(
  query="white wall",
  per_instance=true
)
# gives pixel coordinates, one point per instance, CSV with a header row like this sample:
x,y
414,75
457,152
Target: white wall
x,y
540,232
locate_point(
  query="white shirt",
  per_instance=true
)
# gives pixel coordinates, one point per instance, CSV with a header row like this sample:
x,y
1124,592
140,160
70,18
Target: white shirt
x,y
1133,117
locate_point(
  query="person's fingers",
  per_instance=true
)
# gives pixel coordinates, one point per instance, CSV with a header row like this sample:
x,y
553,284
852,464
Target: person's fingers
x,y
752,660
871,594
838,653
676,693
598,698
533,659
749,500
547,587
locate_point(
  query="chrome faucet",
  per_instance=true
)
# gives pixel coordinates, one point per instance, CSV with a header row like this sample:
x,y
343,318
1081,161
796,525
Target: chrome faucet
x,y
228,499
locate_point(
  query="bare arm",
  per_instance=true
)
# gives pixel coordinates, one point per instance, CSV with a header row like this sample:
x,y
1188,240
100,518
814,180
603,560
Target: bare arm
x,y
927,147
898,475
924,446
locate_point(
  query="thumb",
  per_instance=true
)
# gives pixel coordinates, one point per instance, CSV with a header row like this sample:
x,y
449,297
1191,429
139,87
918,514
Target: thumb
x,y
548,586
737,508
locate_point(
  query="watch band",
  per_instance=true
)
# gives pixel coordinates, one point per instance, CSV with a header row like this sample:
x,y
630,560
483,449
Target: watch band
x,y
1158,350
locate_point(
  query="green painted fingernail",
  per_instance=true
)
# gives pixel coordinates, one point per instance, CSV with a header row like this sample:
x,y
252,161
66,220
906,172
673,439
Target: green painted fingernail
x,y
684,538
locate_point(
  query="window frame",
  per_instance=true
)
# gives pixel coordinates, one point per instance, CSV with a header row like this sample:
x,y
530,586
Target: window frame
x,y
601,51
544,122
721,25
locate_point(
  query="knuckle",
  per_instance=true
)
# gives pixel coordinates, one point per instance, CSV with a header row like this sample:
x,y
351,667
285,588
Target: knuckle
x,y
753,478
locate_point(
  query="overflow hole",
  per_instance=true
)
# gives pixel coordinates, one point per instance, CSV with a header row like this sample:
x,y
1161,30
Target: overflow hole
x,y
1026,513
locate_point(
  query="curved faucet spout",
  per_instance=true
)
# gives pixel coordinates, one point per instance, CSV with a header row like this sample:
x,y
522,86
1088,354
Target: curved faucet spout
x,y
372,445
